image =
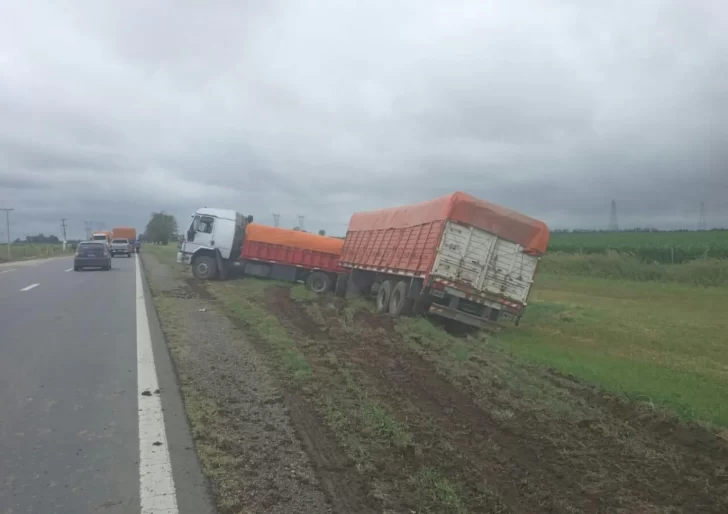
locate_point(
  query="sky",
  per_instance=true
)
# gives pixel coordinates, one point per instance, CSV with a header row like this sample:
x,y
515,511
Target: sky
x,y
111,110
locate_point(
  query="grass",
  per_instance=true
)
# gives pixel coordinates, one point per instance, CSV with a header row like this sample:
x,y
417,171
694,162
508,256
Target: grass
x,y
247,308
612,265
659,342
19,252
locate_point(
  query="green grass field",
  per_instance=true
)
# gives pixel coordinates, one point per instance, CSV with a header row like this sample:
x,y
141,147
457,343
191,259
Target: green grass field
x,y
663,247
660,342
19,252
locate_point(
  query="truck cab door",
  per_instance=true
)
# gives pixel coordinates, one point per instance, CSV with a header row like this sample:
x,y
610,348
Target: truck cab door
x,y
201,233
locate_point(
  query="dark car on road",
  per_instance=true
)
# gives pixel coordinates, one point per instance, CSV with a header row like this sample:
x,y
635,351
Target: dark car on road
x,y
92,254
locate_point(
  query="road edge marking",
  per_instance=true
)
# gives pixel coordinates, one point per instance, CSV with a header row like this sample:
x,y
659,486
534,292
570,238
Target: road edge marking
x,y
156,484
31,286
6,270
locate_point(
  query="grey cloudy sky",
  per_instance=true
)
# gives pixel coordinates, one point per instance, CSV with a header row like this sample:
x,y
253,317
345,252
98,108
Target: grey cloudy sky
x,y
109,110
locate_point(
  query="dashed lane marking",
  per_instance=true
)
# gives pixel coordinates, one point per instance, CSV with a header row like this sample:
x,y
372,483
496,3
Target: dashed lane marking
x,y
31,286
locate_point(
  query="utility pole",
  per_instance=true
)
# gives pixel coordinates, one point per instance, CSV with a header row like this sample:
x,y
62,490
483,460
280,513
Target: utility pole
x,y
301,219
63,226
87,225
613,225
276,219
702,224
7,228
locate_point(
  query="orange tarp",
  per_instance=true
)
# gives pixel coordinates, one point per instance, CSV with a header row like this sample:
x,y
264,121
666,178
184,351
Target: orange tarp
x,y
294,238
530,233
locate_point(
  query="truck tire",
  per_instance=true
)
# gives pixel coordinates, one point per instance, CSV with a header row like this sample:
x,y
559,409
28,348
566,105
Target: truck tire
x,y
383,296
204,267
399,304
318,282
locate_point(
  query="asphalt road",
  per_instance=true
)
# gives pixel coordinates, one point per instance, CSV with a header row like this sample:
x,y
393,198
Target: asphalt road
x,y
71,411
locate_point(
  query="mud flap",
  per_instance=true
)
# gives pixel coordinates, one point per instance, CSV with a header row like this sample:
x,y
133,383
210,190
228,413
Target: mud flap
x,y
221,268
342,280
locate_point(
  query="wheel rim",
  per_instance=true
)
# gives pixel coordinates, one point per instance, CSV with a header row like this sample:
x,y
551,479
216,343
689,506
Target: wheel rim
x,y
203,269
318,284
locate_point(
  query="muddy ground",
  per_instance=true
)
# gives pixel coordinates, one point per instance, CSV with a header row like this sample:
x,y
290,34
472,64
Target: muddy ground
x,y
315,405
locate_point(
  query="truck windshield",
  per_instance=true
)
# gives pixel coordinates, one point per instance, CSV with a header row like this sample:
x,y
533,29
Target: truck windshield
x,y
99,238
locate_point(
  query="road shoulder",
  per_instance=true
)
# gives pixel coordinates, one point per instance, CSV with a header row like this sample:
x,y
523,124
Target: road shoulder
x,y
192,488
241,427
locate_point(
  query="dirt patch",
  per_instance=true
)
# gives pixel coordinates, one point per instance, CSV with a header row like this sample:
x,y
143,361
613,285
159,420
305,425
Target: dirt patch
x,y
250,451
562,449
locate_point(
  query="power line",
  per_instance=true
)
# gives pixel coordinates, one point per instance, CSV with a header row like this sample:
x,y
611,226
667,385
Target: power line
x,y
613,225
276,219
702,223
7,228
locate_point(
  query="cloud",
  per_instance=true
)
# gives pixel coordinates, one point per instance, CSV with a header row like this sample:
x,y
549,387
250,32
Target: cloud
x,y
109,110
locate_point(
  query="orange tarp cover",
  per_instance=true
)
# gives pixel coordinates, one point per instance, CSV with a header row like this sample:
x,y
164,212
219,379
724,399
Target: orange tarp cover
x,y
530,233
294,238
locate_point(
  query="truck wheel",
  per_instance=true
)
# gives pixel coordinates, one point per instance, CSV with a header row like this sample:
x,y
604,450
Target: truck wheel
x,y
318,282
383,296
399,304
204,267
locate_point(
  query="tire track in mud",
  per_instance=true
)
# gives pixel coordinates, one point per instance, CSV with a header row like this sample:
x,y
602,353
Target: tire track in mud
x,y
534,467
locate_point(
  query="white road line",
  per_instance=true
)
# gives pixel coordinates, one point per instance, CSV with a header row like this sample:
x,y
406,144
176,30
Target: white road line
x,y
31,286
69,269
7,270
156,484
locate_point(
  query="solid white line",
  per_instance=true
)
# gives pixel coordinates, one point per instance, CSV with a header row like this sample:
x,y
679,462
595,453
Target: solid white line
x,y
156,484
31,286
69,269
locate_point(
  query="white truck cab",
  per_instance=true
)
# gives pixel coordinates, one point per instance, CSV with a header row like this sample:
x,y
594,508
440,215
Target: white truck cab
x,y
212,242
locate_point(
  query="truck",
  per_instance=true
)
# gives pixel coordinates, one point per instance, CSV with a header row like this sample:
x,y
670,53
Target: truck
x,y
221,242
102,236
128,233
457,257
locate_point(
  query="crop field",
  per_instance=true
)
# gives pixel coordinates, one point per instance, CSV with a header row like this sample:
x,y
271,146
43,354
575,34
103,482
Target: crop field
x,y
662,247
21,251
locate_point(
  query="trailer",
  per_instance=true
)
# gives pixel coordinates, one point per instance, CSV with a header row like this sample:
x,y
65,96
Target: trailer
x,y
220,243
456,256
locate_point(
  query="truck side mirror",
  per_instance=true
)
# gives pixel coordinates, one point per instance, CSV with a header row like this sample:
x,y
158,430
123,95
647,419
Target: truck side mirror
x,y
250,218
190,234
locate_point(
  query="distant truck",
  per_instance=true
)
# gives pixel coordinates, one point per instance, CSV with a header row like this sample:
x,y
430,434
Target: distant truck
x,y
128,233
455,256
221,242
102,236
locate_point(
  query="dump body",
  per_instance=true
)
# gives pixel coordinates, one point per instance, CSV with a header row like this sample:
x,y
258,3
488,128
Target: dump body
x,y
468,254
124,233
291,247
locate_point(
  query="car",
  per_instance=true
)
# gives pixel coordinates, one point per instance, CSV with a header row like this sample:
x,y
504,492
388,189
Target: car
x,y
92,254
120,246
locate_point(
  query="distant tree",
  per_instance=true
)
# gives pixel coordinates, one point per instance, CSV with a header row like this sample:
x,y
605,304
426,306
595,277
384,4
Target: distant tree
x,y
41,239
161,228
322,232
